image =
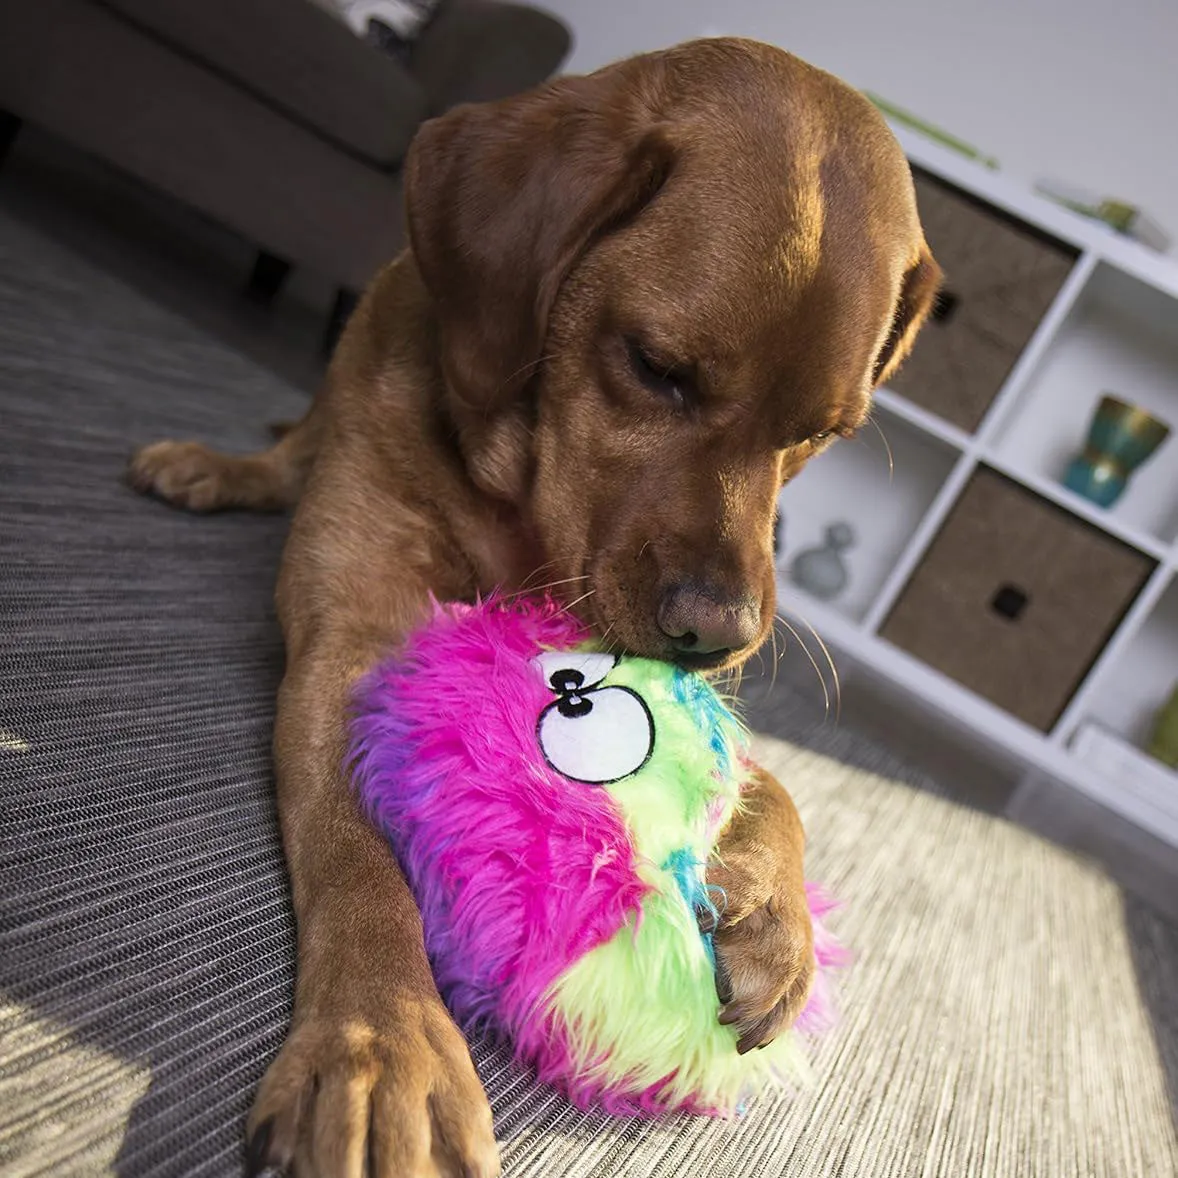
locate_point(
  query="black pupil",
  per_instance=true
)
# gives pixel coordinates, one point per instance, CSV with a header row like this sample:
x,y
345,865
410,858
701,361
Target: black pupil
x,y
567,681
566,684
574,706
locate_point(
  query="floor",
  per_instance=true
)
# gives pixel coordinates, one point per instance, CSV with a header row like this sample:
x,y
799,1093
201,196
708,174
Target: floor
x,y
197,269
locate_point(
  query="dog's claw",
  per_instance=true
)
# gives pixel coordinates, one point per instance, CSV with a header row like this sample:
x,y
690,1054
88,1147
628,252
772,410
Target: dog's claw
x,y
760,1034
257,1153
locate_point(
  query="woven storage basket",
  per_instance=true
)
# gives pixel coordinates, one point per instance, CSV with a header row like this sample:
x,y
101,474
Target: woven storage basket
x,y
1000,279
1015,598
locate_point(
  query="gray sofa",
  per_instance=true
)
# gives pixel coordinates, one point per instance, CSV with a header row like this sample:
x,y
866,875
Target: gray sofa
x,y
269,116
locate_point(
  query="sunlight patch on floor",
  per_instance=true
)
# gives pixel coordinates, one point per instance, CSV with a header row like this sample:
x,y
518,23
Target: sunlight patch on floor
x,y
66,1102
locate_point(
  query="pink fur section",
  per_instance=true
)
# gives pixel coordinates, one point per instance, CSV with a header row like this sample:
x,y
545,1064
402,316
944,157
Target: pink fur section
x,y
819,1012
517,874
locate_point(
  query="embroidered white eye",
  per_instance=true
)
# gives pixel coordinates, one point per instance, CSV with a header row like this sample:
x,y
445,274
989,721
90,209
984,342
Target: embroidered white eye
x,y
592,734
590,665
599,737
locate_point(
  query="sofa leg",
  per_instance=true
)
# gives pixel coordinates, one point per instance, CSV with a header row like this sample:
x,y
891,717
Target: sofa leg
x,y
10,126
266,278
341,312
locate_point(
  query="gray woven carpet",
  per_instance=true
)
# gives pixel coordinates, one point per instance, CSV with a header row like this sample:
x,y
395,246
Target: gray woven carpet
x,y
1009,1013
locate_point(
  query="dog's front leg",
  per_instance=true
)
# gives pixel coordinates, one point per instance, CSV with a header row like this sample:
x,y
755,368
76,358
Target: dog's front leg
x,y
374,1077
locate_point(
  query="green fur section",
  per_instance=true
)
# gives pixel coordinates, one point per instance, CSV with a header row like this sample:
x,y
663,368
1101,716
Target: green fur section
x,y
680,798
642,1009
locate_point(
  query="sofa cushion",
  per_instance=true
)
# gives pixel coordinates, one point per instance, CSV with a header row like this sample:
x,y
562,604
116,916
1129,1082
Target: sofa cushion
x,y
483,50
299,59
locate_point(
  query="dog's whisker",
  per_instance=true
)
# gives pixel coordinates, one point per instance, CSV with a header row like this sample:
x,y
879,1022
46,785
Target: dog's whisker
x,y
778,630
834,671
573,604
779,651
813,663
526,586
552,584
535,573
567,580
609,646
887,447
531,364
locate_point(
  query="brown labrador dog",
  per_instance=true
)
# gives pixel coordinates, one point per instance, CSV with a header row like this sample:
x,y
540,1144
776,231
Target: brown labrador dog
x,y
635,303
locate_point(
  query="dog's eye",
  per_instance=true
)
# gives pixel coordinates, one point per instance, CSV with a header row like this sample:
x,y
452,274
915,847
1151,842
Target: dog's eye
x,y
824,435
665,380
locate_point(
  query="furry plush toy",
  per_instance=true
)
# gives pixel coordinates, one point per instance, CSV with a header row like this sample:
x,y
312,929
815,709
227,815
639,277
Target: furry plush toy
x,y
554,807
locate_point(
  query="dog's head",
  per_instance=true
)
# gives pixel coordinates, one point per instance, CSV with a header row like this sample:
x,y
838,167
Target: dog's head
x,y
660,290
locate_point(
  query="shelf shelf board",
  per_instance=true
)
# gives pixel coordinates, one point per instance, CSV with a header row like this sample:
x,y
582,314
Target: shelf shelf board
x,y
1109,791
921,537
882,485
1144,643
899,406
1020,380
1058,494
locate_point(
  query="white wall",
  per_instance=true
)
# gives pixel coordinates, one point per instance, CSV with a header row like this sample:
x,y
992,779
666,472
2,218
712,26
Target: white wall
x,y
1080,90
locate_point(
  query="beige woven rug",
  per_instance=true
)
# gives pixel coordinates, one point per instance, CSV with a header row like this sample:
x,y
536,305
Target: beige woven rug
x,y
1005,1015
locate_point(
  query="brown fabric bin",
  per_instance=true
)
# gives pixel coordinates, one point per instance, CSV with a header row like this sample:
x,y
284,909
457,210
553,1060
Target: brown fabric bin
x,y
1000,278
1015,598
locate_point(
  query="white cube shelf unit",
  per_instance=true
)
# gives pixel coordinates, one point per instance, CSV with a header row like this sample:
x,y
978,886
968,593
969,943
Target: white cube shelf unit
x,y
1112,326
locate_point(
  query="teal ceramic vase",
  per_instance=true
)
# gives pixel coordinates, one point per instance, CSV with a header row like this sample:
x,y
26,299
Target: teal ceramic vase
x,y
1120,438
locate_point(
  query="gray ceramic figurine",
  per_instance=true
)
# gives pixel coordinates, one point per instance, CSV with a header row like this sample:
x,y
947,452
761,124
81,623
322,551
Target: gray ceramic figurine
x,y
821,571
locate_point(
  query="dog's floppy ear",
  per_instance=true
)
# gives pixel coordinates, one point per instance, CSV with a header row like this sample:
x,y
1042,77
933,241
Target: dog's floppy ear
x,y
918,293
503,197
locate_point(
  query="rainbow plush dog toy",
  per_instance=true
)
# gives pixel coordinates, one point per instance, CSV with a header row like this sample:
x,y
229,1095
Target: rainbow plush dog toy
x,y
554,807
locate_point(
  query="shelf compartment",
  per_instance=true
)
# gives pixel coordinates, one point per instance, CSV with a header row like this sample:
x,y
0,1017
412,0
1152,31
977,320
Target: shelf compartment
x,y
1015,598
1130,690
882,483
1121,337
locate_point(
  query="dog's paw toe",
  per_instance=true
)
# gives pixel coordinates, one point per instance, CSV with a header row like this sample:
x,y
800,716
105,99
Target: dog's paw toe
x,y
347,1097
185,474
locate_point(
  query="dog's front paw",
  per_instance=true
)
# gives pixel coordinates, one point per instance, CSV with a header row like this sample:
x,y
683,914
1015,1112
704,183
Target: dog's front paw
x,y
185,474
764,938
346,1098
764,967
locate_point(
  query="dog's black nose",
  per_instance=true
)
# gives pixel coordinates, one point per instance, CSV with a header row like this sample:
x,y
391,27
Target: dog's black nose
x,y
700,619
